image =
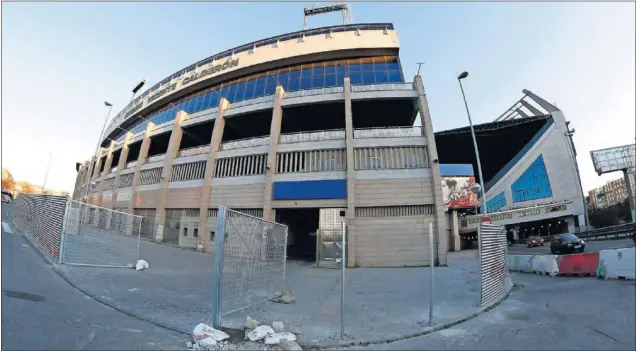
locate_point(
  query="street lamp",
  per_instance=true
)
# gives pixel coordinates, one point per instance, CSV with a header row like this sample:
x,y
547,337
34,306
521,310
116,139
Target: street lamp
x,y
472,132
46,175
99,140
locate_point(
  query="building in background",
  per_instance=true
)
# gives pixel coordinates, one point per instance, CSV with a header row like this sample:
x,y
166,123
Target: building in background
x,y
612,193
529,164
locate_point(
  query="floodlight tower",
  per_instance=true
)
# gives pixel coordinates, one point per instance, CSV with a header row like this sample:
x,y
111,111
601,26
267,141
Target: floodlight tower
x,y
318,10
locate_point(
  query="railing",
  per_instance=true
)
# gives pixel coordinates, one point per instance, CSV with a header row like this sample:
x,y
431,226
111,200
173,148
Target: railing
x,y
130,164
156,158
620,231
312,92
335,134
197,150
248,102
245,143
380,87
391,132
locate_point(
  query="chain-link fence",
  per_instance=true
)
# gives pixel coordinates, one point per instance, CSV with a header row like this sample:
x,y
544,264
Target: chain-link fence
x,y
98,236
249,262
493,257
40,218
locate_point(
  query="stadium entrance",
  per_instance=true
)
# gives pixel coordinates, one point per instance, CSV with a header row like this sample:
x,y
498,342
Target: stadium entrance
x,y
302,226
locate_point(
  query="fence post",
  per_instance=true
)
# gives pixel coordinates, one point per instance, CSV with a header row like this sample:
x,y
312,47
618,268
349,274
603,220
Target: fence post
x,y
342,284
217,278
141,220
431,244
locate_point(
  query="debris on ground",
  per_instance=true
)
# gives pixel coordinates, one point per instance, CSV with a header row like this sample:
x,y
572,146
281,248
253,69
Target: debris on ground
x,y
278,327
286,297
141,265
251,323
261,338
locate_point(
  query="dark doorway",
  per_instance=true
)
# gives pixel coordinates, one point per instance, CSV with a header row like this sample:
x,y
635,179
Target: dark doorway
x,y
301,233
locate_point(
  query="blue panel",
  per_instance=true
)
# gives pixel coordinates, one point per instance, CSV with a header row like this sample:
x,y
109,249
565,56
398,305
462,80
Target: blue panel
x,y
496,203
533,183
456,169
310,190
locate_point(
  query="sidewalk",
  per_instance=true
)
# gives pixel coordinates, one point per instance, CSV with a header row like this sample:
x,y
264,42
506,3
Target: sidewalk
x,y
380,303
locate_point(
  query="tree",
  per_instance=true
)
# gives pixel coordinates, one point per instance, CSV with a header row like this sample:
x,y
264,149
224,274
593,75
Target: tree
x,y
25,188
7,181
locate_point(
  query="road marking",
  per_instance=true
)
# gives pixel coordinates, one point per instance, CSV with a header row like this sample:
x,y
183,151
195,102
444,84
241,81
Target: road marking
x,y
6,228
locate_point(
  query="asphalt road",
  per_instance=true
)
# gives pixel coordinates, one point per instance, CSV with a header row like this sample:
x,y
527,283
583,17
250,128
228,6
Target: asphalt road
x,y
590,246
41,311
544,313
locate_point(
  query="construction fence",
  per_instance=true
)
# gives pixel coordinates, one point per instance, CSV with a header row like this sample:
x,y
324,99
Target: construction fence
x,y
249,262
493,262
77,233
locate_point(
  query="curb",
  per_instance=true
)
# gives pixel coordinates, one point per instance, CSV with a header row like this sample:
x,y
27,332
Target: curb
x,y
426,331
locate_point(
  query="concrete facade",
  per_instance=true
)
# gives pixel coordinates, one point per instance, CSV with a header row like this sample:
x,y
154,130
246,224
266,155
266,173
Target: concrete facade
x,y
388,207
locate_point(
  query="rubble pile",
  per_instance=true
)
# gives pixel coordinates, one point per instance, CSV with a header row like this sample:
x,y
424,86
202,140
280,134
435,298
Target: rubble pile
x,y
257,337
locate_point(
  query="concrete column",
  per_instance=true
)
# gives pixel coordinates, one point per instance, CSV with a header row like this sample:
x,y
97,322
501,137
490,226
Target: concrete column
x,y
143,154
210,166
171,154
120,166
571,226
351,176
98,163
630,194
515,233
107,164
274,132
457,242
427,130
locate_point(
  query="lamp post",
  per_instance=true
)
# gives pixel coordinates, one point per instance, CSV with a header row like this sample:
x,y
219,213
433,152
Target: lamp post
x,y
472,132
99,140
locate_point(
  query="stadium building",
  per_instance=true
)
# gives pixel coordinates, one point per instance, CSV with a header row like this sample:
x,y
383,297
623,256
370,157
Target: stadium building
x,y
312,128
306,128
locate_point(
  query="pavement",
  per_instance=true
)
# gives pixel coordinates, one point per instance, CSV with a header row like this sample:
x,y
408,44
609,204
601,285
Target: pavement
x,y
41,311
543,313
590,246
380,304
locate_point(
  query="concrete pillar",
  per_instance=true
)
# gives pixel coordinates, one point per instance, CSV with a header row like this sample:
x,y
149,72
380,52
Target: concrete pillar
x,y
571,226
143,154
427,131
457,242
515,233
120,166
98,163
274,132
210,166
630,194
351,176
171,154
100,187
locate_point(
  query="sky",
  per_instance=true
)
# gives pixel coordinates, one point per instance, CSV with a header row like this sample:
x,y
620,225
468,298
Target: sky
x,y
61,61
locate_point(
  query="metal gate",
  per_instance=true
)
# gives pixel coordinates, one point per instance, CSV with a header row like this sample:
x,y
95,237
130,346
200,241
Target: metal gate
x,y
329,238
493,259
148,223
110,240
173,224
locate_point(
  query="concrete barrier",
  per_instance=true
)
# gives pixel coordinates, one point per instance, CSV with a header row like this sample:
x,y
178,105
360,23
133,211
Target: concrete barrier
x,y
545,264
617,264
520,263
584,264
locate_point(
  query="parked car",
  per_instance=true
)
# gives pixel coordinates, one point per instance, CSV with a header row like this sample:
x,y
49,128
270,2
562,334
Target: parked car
x,y
567,243
535,241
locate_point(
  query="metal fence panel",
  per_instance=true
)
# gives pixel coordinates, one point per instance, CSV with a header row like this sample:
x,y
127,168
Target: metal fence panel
x,y
493,257
98,236
250,261
40,218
